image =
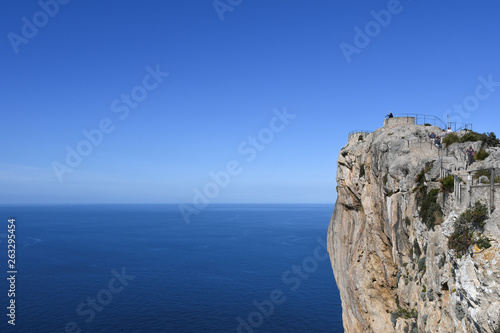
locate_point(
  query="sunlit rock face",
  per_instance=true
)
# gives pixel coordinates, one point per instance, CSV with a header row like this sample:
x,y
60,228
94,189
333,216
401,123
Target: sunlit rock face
x,y
394,273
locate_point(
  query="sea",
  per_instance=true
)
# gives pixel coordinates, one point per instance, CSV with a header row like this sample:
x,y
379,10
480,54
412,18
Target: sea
x,y
143,269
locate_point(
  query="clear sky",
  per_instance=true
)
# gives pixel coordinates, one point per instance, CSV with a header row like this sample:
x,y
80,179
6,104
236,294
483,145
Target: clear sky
x,y
261,94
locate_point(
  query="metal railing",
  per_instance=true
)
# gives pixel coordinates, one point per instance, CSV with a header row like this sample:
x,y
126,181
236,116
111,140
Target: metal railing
x,y
423,119
457,127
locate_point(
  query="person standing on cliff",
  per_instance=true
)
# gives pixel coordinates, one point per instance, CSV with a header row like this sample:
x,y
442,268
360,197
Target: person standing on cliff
x,y
390,115
470,155
438,142
432,136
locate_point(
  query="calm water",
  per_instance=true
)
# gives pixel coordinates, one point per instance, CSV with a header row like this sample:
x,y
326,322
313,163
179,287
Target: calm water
x,y
141,268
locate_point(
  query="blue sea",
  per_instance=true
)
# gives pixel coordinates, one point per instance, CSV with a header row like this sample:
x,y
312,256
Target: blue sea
x,y
141,268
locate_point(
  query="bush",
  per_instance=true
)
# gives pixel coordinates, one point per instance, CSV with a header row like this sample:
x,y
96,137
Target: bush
x,y
448,184
463,235
420,179
489,139
470,137
430,210
479,215
460,241
481,155
450,138
403,313
483,242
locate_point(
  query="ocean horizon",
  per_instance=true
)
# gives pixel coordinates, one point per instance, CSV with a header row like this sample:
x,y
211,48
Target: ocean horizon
x,y
142,268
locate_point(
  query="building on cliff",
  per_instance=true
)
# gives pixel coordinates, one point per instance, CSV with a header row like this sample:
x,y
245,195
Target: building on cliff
x,y
399,201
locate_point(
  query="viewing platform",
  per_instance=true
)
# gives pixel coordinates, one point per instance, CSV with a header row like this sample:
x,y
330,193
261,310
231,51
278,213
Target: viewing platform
x,y
398,121
423,119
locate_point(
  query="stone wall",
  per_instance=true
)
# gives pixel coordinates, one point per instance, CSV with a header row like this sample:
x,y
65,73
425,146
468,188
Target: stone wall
x,y
398,121
355,136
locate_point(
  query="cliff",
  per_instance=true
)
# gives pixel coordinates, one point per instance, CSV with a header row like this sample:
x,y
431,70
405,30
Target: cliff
x,y
389,233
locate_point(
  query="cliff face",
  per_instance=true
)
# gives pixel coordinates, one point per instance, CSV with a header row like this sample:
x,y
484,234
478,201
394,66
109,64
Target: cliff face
x,y
394,272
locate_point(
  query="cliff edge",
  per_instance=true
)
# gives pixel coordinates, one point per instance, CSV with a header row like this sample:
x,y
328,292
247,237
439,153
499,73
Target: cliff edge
x,y
400,201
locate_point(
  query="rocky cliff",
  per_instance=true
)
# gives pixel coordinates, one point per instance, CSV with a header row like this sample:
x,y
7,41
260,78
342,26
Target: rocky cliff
x,y
389,234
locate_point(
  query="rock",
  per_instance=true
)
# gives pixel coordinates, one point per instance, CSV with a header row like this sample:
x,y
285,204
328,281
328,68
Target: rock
x,y
373,247
459,311
430,295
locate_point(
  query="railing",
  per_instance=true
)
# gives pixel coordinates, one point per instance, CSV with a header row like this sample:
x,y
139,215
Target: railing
x,y
456,127
422,119
481,185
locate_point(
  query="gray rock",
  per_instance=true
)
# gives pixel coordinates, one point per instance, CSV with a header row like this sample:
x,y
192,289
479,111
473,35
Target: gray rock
x,y
372,248
430,295
459,311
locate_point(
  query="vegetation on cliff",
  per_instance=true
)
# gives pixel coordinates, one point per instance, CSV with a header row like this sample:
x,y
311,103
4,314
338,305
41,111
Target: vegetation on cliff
x,y
489,139
468,230
430,210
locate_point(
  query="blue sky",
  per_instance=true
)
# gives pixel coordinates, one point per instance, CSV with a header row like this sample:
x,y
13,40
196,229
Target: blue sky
x,y
227,82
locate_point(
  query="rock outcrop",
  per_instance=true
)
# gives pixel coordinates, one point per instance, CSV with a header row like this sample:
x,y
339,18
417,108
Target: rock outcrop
x,y
394,268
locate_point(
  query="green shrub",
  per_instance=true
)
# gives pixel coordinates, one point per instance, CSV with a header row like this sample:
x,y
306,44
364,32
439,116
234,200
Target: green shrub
x,y
481,155
420,179
460,241
470,137
488,139
463,235
479,215
483,242
447,184
427,124
450,138
430,211
403,313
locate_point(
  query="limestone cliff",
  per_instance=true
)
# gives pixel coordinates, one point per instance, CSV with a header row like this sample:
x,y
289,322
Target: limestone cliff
x,y
394,268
